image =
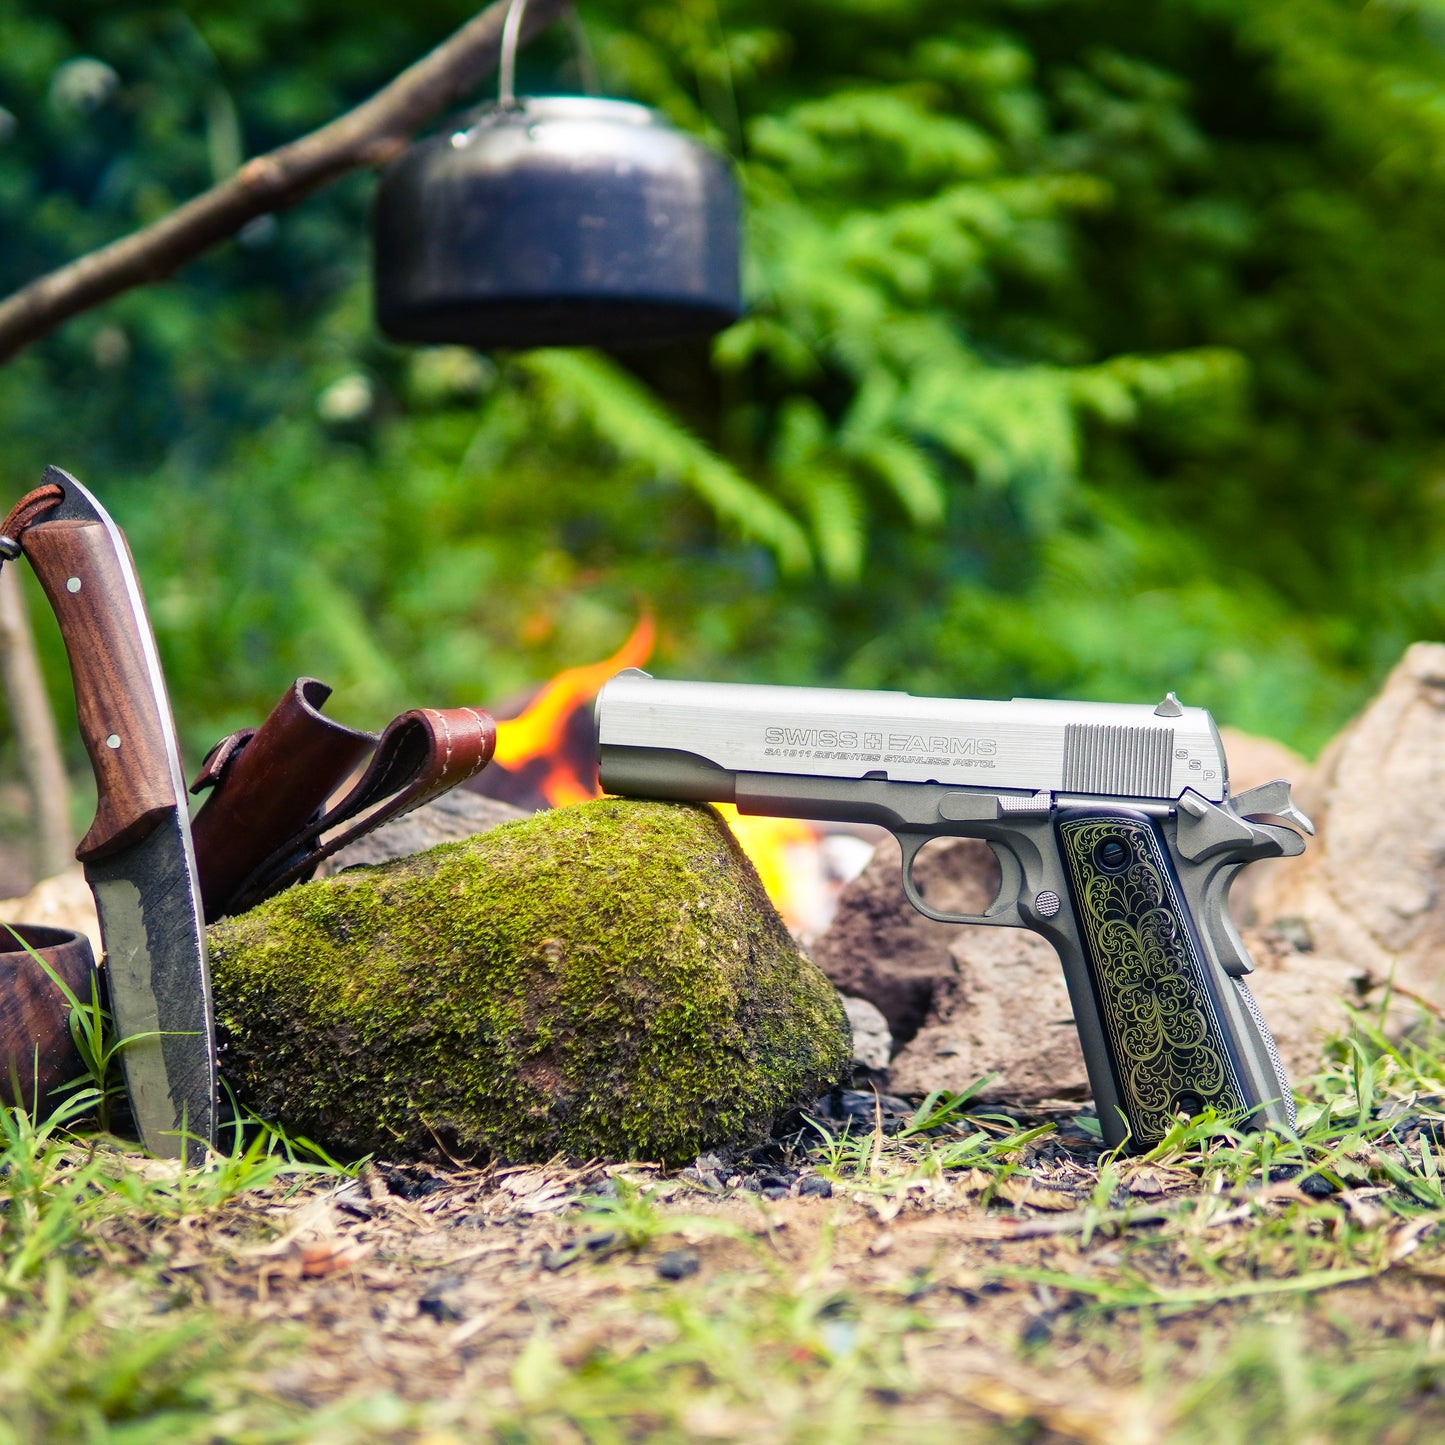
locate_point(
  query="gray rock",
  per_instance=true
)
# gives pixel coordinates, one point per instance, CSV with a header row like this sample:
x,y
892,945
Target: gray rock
x,y
453,816
882,949
1369,888
999,1007
1304,996
678,1264
872,1042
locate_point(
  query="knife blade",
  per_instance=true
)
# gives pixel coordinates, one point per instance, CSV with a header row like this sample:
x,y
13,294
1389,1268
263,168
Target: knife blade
x,y
137,854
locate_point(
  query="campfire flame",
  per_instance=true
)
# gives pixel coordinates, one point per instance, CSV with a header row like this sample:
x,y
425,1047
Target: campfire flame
x,y
784,851
546,757
541,731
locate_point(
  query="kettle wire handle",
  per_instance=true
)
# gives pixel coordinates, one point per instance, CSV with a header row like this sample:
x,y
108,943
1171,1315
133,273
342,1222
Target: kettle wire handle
x,y
507,66
511,35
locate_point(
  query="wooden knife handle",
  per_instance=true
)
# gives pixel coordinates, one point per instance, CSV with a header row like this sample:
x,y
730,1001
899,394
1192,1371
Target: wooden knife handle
x,y
90,593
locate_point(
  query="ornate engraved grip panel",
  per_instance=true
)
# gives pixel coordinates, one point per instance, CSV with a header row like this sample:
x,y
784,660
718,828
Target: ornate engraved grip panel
x,y
1161,1024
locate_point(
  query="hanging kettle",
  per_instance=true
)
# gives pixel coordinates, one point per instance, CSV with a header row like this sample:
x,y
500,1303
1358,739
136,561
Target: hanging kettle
x,y
557,221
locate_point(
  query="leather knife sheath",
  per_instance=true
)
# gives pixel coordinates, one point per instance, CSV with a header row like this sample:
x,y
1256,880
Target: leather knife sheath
x,y
269,821
266,784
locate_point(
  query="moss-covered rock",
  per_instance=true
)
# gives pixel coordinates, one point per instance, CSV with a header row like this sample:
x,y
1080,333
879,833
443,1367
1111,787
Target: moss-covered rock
x,y
608,979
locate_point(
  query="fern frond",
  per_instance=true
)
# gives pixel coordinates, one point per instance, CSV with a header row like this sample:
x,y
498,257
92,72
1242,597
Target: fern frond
x,y
1115,389
836,512
807,460
331,624
853,134
908,474
627,417
1007,425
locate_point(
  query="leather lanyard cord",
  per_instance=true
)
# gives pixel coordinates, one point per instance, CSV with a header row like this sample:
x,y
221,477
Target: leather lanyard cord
x,y
25,513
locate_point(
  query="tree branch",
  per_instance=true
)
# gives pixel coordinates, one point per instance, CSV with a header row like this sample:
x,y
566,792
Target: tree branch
x,y
370,135
36,736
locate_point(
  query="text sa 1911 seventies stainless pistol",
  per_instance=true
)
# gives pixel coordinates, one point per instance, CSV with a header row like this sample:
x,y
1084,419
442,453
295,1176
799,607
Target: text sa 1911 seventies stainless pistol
x,y
1113,826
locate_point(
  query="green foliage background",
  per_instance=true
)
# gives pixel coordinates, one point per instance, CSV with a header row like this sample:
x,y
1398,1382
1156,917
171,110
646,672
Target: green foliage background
x,y
1095,348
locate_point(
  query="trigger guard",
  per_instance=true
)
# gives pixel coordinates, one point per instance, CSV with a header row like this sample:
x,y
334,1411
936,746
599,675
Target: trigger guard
x,y
998,912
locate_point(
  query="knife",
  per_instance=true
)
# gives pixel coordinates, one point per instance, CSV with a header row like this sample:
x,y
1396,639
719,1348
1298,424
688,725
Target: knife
x,y
138,857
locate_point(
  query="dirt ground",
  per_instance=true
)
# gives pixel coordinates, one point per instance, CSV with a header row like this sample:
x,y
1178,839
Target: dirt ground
x,y
565,1302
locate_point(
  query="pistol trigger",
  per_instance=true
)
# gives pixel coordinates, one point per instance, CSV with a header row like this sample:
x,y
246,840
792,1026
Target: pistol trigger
x,y
1011,880
912,845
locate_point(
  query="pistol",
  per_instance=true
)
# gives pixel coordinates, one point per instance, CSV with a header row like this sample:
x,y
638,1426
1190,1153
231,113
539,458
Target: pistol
x,y
1114,829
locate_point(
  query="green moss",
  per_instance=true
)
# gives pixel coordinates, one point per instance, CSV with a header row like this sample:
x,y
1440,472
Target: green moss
x,y
608,979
